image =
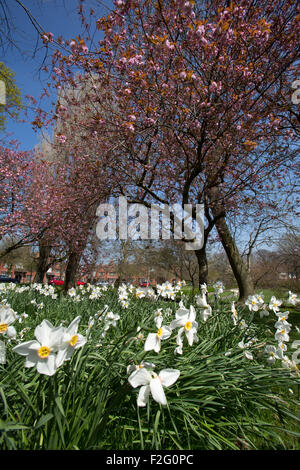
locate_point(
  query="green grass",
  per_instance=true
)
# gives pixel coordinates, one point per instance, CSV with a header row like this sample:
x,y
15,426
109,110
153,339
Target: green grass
x,y
220,401
268,321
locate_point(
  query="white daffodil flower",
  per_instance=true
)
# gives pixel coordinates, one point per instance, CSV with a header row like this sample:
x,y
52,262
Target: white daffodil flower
x,y
219,287
91,323
171,295
3,302
274,304
158,318
139,293
2,352
282,316
169,311
42,351
234,315
7,317
273,354
243,325
70,341
23,332
179,342
138,337
136,367
93,296
101,313
125,303
166,290
246,352
153,384
122,288
205,308
151,294
123,296
281,334
186,322
264,311
72,292
153,340
203,288
260,299
110,319
282,346
293,300
289,364
205,313
282,322
253,303
22,316
201,301
235,292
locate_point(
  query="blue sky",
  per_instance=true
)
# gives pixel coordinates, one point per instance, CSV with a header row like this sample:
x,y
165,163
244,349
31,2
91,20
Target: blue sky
x,y
61,18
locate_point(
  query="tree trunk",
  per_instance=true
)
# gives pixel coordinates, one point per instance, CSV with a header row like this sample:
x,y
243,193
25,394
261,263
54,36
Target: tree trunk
x,y
42,266
71,270
202,265
240,271
239,268
76,253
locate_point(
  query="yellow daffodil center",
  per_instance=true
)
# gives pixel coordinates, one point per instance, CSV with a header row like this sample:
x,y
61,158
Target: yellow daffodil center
x,y
44,352
282,332
253,302
188,325
159,332
283,318
3,327
73,340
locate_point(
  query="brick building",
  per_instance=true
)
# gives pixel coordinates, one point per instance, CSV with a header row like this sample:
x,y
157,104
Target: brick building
x,y
103,273
17,271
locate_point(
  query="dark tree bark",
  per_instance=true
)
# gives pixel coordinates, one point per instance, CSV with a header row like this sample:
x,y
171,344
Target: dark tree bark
x,y
72,269
202,264
42,263
239,268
